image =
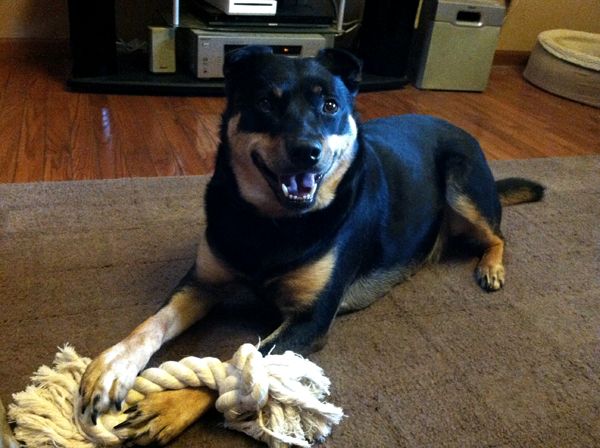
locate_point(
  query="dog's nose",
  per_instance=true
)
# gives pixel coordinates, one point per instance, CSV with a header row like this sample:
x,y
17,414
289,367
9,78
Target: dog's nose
x,y
306,154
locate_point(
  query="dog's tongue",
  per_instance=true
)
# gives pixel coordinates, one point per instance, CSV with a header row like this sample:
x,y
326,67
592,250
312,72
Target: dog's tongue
x,y
307,180
299,184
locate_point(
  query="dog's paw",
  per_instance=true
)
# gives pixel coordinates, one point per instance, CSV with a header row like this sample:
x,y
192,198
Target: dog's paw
x,y
490,276
7,440
107,380
162,416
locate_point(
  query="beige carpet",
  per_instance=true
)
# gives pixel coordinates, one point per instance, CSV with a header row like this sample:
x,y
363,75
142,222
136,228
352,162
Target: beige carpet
x,y
436,363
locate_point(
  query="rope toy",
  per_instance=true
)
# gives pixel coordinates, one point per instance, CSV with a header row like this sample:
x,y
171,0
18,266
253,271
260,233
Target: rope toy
x,y
277,399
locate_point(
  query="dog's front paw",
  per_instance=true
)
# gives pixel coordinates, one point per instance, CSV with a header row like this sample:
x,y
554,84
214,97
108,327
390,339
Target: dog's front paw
x,y
107,380
7,440
162,416
490,276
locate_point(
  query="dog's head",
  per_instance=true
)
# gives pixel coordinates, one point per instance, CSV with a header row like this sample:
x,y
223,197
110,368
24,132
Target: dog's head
x,y
289,127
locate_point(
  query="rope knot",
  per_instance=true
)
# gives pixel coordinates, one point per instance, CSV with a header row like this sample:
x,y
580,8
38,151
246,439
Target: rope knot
x,y
246,387
278,399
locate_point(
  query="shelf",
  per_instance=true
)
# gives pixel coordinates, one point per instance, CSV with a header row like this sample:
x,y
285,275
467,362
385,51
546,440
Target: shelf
x,y
133,77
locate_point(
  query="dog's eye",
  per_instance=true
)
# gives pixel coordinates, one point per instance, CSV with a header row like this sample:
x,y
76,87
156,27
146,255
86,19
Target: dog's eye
x,y
265,105
330,106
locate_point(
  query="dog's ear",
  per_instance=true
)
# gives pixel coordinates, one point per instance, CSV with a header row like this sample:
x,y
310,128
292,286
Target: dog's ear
x,y
343,64
237,61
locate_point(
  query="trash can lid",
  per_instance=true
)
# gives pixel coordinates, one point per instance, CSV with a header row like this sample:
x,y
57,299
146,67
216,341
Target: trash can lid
x,y
479,12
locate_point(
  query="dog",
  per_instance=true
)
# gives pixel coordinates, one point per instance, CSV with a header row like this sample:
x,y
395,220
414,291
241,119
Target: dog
x,y
314,211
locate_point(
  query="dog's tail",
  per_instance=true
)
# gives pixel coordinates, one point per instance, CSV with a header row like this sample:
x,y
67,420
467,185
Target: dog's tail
x,y
515,190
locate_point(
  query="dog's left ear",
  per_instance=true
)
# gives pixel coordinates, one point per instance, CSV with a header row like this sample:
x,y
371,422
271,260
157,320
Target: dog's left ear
x,y
239,62
343,64
236,59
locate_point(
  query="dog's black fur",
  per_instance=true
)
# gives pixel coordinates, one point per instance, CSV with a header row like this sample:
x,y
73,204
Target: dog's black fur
x,y
316,212
389,208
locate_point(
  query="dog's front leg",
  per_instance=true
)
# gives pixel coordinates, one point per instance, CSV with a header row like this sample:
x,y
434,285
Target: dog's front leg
x,y
303,334
308,298
109,377
7,439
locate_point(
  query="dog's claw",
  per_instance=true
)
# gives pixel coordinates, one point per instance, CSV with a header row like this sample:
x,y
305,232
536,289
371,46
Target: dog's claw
x,y
131,410
123,424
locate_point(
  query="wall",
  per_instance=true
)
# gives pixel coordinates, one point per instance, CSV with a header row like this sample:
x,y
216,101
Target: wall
x,y
527,18
34,19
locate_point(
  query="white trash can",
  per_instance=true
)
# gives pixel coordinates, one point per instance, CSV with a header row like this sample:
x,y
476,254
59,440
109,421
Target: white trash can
x,y
455,43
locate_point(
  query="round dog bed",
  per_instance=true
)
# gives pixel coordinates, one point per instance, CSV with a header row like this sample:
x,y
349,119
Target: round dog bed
x,y
567,63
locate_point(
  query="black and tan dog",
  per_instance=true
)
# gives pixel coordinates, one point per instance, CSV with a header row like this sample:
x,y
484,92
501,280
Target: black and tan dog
x,y
314,211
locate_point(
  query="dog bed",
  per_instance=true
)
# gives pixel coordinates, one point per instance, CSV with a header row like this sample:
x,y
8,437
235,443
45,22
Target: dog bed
x,y
567,63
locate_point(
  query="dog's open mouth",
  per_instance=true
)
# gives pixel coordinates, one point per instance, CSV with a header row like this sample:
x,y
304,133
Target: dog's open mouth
x,y
296,190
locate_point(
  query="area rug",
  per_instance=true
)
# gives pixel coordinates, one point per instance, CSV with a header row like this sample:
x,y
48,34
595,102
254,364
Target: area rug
x,y
435,363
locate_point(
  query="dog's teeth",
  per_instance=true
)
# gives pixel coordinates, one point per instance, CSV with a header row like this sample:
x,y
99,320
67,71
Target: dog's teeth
x,y
298,197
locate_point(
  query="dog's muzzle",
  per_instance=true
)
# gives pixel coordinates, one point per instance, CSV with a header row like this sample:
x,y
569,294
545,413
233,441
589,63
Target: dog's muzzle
x,y
295,190
305,154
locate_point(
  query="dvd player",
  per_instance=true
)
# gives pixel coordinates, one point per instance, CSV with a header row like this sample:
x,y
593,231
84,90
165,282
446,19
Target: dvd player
x,y
207,49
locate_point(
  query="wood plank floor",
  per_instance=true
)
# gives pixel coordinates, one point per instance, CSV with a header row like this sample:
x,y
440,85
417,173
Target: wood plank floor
x,y
48,134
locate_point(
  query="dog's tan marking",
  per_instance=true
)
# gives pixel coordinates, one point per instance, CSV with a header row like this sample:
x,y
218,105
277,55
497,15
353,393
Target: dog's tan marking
x,y
209,268
490,270
162,416
317,89
277,92
343,148
466,219
185,308
252,185
298,289
517,196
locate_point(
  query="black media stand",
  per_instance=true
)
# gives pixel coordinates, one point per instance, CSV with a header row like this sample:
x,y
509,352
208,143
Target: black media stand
x,y
98,68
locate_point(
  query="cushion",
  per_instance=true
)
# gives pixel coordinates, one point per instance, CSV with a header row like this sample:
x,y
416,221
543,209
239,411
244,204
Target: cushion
x,y
576,47
567,63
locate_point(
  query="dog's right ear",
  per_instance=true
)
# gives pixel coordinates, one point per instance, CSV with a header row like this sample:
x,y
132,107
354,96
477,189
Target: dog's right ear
x,y
237,61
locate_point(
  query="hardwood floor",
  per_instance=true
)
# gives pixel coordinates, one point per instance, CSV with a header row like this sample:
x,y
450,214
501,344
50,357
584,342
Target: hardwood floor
x,y
48,134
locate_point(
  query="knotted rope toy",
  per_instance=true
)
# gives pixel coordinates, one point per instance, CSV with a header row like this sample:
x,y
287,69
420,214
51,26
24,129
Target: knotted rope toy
x,y
277,399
